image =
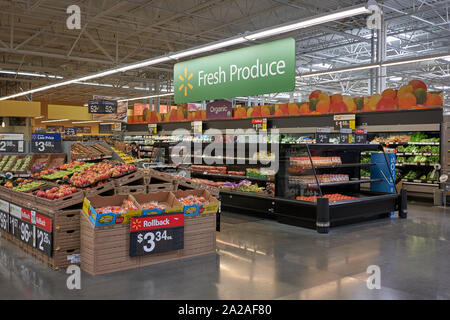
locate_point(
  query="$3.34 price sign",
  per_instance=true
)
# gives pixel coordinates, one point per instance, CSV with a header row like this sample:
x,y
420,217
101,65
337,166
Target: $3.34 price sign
x,y
156,234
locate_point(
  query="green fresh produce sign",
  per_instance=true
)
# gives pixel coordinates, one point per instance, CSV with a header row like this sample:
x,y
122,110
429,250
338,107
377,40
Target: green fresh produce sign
x,y
260,69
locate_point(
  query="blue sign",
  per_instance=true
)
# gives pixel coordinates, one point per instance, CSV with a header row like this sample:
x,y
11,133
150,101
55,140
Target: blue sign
x,y
381,171
46,137
46,143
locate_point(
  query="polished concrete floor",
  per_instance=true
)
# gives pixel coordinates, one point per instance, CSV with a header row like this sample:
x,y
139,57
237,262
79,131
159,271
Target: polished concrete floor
x,y
261,259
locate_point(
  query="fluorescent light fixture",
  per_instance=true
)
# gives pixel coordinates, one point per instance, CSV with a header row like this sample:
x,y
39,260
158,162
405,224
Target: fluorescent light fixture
x,y
396,79
31,74
345,13
3,124
107,123
391,39
210,47
147,97
321,73
59,120
342,14
414,60
90,77
40,117
82,122
322,65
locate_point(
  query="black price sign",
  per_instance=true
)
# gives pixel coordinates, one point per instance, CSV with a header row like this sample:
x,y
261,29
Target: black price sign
x,y
44,241
46,143
26,232
14,226
323,135
344,136
156,234
344,121
360,136
11,146
4,221
102,106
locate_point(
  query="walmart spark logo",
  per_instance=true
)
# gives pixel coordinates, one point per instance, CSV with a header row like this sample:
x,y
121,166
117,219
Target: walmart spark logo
x,y
186,83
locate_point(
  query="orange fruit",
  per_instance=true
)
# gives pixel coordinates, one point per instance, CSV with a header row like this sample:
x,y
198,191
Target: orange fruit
x,y
389,93
323,106
407,100
293,109
434,100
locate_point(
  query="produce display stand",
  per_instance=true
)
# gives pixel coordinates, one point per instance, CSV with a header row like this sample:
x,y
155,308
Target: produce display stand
x,y
106,249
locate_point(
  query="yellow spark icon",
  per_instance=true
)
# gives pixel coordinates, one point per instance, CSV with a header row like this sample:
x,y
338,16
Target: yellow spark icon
x,y
185,79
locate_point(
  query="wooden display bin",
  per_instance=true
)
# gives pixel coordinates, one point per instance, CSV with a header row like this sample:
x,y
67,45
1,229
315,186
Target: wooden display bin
x,y
135,178
106,249
124,190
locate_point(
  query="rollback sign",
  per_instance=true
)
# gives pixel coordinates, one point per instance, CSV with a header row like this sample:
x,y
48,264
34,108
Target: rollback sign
x,y
156,234
30,227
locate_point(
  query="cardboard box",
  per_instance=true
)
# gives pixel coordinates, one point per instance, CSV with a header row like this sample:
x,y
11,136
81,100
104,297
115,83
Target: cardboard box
x,y
166,198
210,208
107,219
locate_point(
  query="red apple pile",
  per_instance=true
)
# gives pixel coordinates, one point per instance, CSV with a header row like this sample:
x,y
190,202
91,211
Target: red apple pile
x,y
193,200
99,172
56,192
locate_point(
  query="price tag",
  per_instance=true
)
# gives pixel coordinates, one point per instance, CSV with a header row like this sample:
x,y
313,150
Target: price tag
x,y
44,240
344,121
156,234
345,136
4,221
360,136
197,127
153,128
323,135
46,143
102,106
26,233
260,124
11,146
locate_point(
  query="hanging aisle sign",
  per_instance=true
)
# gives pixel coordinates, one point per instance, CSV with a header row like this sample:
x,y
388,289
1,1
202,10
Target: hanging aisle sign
x,y
251,71
102,106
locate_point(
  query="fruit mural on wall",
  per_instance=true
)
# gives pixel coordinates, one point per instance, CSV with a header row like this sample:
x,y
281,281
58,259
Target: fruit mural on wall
x,y
414,95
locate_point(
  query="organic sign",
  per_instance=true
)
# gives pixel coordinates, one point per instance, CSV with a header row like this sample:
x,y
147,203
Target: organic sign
x,y
156,234
46,143
255,70
221,109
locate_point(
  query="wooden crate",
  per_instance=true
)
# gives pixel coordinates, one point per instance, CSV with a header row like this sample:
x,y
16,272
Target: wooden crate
x,y
136,178
151,188
106,249
131,189
58,204
99,190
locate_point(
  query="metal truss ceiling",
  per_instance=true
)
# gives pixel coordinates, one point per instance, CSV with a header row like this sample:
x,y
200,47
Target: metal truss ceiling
x,y
34,38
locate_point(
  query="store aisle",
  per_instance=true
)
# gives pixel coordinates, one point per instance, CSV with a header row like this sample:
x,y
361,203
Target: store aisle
x,y
261,259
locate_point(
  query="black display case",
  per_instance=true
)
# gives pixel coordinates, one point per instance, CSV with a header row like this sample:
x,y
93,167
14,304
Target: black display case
x,y
310,173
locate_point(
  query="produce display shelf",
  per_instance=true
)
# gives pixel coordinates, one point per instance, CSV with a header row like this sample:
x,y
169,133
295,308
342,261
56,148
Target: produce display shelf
x,y
231,176
346,165
421,183
417,154
409,143
341,183
94,158
418,164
